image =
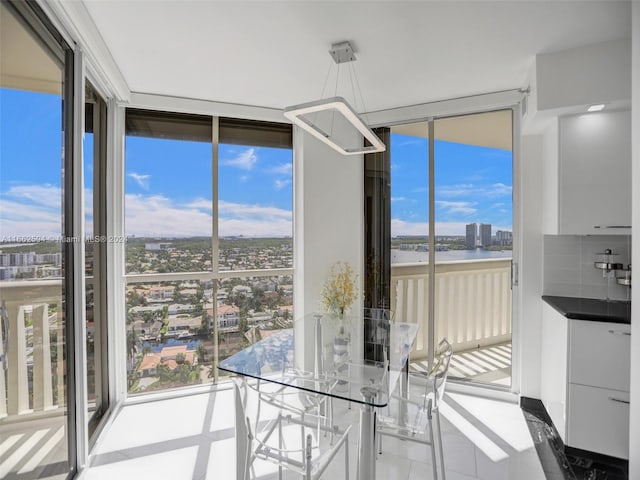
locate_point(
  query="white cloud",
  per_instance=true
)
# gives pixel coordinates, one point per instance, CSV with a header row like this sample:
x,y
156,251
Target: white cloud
x,y
200,204
46,195
253,220
499,190
280,184
470,189
398,199
242,210
141,179
282,169
245,160
157,215
33,210
457,207
457,190
401,227
36,210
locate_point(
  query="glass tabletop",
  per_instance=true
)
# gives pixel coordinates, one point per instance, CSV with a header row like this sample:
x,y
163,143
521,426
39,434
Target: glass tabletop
x,y
357,358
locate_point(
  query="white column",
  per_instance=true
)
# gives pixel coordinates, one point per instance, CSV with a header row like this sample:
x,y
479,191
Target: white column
x,y
328,223
17,362
42,381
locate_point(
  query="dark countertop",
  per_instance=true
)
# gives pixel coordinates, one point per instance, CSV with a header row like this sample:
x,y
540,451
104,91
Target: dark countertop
x,y
612,311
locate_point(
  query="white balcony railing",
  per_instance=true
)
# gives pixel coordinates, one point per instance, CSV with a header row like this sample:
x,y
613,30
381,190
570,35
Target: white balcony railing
x,y
32,314
473,302
473,308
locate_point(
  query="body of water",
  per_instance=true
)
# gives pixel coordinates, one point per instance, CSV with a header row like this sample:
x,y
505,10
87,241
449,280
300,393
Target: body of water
x,y
409,256
156,347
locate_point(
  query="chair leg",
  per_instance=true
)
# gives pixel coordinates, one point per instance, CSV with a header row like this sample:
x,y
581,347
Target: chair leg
x,y
308,458
433,447
379,444
440,444
280,445
346,459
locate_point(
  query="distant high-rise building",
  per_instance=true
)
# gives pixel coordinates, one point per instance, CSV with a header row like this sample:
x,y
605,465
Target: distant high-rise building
x,y
472,235
485,234
504,238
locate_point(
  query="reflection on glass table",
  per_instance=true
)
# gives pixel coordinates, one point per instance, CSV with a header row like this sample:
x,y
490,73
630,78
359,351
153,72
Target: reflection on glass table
x,y
305,358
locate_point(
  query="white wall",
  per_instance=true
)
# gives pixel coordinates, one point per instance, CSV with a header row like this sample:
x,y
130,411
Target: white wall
x,y
550,178
597,73
634,421
328,220
530,322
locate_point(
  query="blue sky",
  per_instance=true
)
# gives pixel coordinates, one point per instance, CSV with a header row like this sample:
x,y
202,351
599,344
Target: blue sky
x,y
169,188
174,179
473,184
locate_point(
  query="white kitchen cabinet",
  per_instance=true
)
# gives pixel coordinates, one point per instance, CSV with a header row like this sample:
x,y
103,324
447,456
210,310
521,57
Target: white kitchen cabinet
x,y
598,420
596,355
585,381
553,388
594,173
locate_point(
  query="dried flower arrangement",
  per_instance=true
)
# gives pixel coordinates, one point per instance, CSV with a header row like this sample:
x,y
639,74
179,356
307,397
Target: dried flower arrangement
x,y
340,290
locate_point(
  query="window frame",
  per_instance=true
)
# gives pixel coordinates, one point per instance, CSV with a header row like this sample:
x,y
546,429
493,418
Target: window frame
x,y
215,273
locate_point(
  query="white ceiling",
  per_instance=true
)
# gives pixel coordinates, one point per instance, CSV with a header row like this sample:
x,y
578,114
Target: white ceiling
x,y
274,54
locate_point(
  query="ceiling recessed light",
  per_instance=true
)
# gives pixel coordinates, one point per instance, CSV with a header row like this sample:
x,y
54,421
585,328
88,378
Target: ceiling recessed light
x,y
595,108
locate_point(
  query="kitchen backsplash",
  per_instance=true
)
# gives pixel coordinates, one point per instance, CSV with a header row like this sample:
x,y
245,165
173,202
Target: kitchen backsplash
x,y
569,270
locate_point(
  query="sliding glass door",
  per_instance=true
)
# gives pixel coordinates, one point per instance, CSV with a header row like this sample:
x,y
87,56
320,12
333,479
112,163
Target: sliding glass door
x,y
37,394
95,261
452,238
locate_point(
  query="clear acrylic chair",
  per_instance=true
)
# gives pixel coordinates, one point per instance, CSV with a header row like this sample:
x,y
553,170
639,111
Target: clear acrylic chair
x,y
412,417
265,431
302,402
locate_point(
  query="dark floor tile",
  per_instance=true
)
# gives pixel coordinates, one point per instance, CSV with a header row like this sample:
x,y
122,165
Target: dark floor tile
x,y
559,464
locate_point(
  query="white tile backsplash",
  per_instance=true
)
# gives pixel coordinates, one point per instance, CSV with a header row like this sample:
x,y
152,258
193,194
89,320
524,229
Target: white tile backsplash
x,y
569,269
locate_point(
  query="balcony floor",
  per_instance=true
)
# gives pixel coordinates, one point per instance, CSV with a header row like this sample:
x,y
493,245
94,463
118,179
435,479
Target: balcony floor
x,y
192,438
491,364
32,447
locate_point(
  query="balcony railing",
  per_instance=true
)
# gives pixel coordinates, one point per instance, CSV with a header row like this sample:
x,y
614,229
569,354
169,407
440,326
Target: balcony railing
x,y
34,330
472,302
473,309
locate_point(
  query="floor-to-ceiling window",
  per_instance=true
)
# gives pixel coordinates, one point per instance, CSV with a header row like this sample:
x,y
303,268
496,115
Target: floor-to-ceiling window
x,y
208,225
452,221
37,394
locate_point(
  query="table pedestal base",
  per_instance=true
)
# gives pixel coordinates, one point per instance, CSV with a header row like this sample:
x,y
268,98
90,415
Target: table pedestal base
x,y
367,438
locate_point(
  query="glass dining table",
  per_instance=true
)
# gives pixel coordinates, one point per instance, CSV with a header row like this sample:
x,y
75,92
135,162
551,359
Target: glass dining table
x,y
362,359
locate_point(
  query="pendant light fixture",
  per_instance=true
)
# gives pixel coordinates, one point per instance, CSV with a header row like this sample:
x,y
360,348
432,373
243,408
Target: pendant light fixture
x,y
336,111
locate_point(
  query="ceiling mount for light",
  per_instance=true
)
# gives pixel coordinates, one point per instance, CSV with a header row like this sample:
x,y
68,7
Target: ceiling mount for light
x,y
305,115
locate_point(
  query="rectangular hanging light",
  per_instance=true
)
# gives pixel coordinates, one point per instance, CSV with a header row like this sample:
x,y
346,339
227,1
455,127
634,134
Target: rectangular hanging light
x,y
296,114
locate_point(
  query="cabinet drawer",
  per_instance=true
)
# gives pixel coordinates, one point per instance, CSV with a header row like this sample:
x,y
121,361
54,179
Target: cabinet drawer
x,y
599,354
598,420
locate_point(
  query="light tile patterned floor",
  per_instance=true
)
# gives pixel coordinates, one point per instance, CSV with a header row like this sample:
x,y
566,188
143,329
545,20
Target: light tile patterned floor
x,y
192,437
490,364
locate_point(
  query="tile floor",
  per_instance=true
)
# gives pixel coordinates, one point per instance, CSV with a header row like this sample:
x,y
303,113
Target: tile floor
x,y
192,437
489,364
